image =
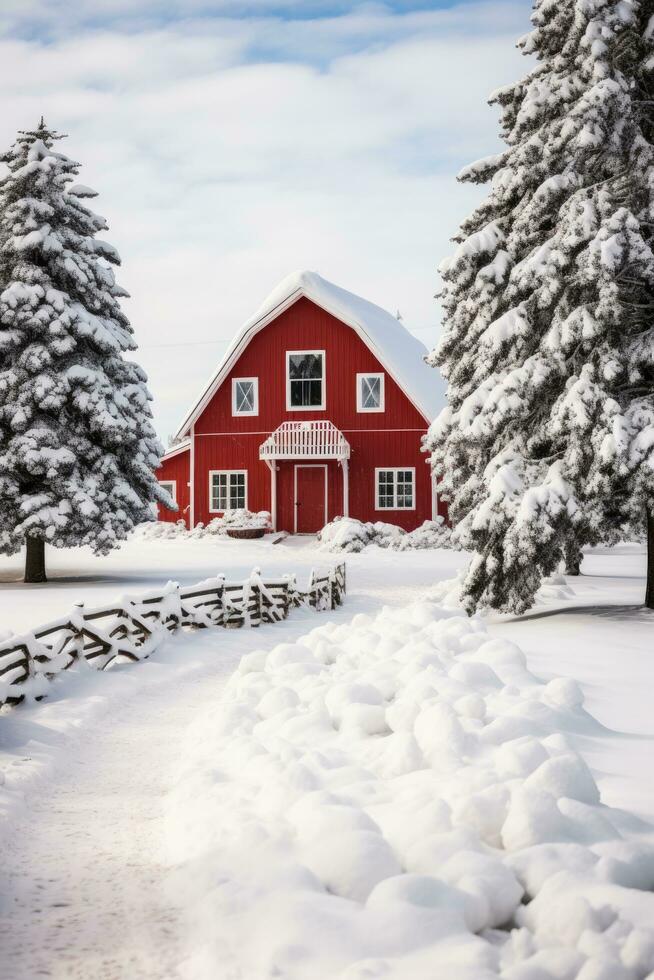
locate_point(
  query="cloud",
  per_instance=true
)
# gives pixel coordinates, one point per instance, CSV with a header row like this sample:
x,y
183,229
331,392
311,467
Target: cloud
x,y
229,150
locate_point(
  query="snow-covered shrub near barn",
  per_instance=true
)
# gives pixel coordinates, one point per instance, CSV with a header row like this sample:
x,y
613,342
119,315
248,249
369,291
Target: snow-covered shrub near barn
x,y
345,534
217,527
399,797
239,517
162,530
431,534
349,534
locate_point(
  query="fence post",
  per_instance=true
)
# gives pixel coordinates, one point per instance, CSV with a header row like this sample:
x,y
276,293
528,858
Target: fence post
x,y
254,598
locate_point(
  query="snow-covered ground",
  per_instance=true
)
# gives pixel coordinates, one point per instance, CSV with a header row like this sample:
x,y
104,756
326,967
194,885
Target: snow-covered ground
x,y
335,796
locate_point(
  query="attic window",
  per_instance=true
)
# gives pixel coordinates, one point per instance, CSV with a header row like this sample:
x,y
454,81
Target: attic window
x,y
370,392
305,379
245,396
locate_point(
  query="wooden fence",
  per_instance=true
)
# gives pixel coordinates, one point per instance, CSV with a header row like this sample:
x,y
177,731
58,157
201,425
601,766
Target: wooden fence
x,y
133,628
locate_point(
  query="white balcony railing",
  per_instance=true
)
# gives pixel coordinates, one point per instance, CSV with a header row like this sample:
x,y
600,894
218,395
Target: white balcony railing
x,y
305,440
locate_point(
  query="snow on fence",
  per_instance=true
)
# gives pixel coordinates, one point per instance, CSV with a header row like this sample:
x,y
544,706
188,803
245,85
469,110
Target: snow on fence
x,y
134,627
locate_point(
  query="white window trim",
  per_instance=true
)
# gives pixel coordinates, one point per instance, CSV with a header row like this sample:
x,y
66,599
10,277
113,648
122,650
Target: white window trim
x,y
229,473
170,483
395,470
306,408
255,410
382,391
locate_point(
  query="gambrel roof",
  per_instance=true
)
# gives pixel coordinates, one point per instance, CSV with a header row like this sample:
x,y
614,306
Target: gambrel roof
x,y
400,353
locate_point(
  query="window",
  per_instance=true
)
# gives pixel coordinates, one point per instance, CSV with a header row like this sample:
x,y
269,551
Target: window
x,y
170,486
370,392
245,396
227,490
305,379
395,489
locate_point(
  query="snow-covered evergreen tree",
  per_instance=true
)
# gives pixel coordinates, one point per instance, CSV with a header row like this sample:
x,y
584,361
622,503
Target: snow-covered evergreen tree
x,y
548,299
77,446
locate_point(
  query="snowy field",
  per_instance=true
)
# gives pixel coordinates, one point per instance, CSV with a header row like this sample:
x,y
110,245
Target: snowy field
x,y
386,791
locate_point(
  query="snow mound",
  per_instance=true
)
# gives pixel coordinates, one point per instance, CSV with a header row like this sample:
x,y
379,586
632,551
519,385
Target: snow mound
x,y
165,530
397,798
349,534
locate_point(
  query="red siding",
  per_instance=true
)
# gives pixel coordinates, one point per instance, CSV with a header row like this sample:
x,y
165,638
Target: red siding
x,y
391,438
307,327
176,468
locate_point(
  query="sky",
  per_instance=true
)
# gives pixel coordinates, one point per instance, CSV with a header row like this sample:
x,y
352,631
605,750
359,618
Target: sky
x,y
233,142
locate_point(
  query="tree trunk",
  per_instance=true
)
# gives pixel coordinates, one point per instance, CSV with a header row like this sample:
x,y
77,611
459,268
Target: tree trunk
x,y
35,560
649,594
573,558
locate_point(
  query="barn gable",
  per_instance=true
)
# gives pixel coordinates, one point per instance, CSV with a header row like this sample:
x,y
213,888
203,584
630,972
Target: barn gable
x,y
398,351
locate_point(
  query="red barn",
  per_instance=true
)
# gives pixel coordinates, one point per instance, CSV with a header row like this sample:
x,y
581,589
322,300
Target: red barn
x,y
316,410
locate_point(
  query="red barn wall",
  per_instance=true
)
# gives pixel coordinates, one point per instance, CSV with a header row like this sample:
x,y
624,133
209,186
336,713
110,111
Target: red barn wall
x,y
176,468
389,438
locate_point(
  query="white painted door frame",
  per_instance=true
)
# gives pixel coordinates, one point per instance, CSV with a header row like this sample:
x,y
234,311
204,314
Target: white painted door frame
x,y
307,466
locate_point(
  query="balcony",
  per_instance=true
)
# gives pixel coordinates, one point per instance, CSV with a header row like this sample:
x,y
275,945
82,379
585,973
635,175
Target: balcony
x,y
305,440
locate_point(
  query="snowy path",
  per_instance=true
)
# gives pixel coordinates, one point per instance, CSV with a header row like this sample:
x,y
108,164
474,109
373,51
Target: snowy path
x,y
85,891
84,887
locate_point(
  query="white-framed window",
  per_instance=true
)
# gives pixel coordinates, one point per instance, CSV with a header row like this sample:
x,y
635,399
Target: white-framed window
x,y
370,392
228,490
395,488
305,380
170,486
245,396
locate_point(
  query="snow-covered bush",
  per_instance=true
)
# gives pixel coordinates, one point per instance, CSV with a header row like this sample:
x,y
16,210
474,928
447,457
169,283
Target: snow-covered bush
x,y
164,530
345,534
349,534
238,518
392,797
431,534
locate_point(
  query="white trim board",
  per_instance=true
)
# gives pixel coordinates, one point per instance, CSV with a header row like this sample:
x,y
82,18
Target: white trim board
x,y
308,466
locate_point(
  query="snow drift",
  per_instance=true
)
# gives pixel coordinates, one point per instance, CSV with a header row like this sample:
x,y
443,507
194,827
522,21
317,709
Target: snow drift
x,y
396,797
238,518
349,534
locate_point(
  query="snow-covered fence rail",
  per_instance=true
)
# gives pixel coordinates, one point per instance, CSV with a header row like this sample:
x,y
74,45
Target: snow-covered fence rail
x,y
134,627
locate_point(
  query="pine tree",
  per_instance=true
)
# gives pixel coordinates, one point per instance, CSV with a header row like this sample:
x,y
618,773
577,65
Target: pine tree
x,y
548,347
77,446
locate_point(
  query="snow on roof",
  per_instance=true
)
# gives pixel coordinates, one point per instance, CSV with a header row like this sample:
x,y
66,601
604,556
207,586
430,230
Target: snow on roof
x,y
178,447
399,351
